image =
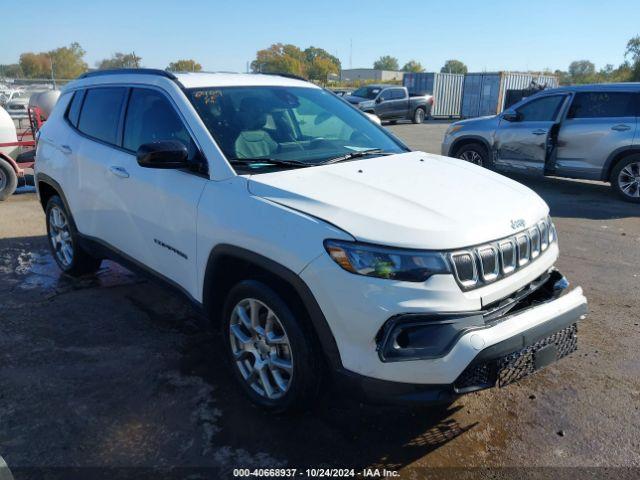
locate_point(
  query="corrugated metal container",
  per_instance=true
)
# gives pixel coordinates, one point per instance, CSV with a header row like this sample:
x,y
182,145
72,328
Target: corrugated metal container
x,y
523,81
446,89
485,93
480,94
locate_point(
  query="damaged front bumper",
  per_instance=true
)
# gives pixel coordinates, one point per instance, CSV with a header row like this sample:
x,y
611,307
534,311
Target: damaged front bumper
x,y
471,351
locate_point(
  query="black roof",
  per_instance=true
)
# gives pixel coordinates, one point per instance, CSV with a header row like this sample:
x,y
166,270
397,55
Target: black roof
x,y
122,71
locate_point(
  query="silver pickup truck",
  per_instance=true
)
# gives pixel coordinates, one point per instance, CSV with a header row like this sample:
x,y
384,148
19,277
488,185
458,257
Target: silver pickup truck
x,y
392,103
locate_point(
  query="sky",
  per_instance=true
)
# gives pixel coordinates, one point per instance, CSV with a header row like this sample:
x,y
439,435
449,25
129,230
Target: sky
x,y
486,35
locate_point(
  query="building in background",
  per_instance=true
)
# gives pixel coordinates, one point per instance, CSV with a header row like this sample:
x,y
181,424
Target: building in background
x,y
370,74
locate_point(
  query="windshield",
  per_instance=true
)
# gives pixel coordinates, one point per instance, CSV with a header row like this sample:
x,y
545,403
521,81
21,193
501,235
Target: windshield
x,y
367,92
297,125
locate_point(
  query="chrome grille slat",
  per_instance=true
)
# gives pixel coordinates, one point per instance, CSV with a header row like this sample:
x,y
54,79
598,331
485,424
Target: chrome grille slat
x,y
481,265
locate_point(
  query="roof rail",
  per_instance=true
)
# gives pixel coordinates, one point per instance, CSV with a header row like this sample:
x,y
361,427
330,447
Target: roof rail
x,y
120,71
286,75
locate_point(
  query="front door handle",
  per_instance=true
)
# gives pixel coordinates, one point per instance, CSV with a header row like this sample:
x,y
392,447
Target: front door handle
x,y
119,171
66,149
621,127
540,131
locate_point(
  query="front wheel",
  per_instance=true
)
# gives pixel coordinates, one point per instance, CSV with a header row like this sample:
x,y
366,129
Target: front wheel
x,y
474,153
625,178
272,351
8,180
419,115
63,241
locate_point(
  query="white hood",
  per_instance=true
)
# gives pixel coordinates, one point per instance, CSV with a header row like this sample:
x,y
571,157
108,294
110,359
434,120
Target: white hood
x,y
413,200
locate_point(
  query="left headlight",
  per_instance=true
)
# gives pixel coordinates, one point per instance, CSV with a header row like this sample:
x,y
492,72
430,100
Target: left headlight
x,y
386,262
453,129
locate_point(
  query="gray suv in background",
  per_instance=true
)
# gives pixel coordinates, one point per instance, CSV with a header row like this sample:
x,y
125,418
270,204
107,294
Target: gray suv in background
x,y
588,132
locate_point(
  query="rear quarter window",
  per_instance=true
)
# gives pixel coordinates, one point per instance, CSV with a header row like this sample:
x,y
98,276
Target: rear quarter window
x,y
73,113
100,113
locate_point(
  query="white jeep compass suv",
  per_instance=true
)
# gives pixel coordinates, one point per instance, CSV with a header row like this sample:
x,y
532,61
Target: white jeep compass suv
x,y
318,243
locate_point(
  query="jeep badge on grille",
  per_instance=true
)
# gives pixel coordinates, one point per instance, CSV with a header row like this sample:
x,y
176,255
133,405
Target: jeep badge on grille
x,y
518,223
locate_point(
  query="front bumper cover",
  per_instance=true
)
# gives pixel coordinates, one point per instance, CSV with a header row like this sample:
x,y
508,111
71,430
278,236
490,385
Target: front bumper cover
x,y
515,356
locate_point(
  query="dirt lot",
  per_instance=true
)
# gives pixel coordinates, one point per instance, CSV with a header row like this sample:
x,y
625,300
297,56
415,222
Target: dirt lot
x,y
114,371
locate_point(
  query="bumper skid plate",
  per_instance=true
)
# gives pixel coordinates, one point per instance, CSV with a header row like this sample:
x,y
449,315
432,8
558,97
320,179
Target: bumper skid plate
x,y
516,365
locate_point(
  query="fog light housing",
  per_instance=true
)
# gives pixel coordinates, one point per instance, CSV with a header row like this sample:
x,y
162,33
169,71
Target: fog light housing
x,y
423,336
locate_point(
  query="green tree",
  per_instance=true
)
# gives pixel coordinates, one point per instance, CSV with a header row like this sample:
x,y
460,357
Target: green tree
x,y
412,66
68,61
184,66
454,66
320,63
13,70
582,71
63,62
386,62
280,58
633,52
120,60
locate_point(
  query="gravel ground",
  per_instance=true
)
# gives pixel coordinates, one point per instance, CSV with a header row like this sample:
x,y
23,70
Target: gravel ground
x,y
114,371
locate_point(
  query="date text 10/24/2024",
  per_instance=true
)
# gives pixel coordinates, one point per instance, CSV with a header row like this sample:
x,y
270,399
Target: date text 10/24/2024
x,y
315,473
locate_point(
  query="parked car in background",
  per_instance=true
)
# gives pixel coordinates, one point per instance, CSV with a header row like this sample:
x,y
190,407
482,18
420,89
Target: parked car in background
x,y
17,107
315,241
392,102
341,92
587,132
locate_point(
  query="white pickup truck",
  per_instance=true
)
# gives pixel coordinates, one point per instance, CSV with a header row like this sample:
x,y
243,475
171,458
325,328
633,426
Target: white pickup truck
x,y
319,244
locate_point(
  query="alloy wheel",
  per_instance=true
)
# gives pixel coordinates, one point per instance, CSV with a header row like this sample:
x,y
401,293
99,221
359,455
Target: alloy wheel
x,y
629,180
60,236
261,348
471,156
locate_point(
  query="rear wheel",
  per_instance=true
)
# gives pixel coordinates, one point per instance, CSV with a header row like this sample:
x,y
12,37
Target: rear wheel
x,y
63,241
272,353
625,178
419,115
8,180
474,153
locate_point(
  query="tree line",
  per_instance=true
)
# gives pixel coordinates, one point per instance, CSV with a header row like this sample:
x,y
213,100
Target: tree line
x,y
68,62
313,63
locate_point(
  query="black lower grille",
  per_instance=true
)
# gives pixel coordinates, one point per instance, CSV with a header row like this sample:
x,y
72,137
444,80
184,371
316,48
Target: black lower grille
x,y
516,365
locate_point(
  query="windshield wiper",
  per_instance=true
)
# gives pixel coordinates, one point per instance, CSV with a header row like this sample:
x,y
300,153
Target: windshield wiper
x,y
270,161
352,155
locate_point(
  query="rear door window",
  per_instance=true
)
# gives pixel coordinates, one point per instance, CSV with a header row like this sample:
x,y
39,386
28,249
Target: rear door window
x,y
603,105
398,94
543,109
100,114
151,118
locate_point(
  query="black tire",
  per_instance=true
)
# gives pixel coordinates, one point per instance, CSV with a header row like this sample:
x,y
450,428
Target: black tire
x,y
622,178
475,153
79,262
307,373
393,122
419,115
8,180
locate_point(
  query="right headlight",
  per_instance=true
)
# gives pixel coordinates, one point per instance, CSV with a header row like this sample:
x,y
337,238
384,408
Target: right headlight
x,y
453,129
386,262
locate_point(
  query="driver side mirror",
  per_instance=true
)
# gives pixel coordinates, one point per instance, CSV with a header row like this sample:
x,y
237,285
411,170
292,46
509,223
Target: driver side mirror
x,y
163,154
379,100
511,115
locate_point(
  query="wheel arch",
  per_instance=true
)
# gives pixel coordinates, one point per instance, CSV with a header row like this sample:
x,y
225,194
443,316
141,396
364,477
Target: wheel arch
x,y
48,187
468,140
615,157
229,264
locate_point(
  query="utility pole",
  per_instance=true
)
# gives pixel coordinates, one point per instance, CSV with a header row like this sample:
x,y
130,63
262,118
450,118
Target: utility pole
x,y
53,79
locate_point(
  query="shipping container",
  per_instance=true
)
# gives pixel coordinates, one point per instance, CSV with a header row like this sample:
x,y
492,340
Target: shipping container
x,y
446,89
487,93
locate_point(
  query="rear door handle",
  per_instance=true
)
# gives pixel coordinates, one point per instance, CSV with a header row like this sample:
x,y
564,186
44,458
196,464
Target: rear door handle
x,y
621,127
119,171
540,131
66,149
